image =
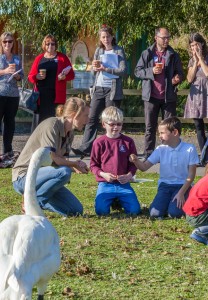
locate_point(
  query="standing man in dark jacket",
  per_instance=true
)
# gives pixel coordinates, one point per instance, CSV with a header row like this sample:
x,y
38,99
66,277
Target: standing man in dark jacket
x,y
161,71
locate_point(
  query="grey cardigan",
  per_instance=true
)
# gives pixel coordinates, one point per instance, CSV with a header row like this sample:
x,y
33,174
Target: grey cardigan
x,y
117,88
144,71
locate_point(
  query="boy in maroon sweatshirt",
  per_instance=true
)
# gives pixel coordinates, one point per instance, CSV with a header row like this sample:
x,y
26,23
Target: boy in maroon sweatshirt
x,y
110,164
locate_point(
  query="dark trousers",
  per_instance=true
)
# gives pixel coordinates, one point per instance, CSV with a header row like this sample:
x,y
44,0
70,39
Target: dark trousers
x,y
47,107
200,132
151,110
100,100
8,111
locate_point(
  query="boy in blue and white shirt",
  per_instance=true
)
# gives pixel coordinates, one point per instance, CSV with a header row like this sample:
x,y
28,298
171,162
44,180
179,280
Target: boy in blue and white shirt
x,y
178,162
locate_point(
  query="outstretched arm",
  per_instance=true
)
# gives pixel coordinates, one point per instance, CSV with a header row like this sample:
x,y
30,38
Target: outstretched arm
x,y
142,166
78,166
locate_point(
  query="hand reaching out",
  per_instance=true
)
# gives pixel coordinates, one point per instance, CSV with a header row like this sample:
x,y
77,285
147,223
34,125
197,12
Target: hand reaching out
x,y
133,158
81,167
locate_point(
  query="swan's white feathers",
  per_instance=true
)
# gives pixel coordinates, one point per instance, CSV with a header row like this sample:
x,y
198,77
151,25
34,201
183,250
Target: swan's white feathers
x,y
29,247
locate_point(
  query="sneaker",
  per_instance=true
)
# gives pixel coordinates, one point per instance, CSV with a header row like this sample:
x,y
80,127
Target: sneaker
x,y
200,237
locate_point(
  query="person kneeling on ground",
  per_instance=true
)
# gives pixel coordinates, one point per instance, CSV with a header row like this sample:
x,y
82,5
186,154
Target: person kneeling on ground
x,y
58,133
177,169
196,209
110,164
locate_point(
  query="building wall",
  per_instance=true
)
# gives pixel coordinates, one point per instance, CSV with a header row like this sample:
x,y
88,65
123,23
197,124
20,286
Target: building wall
x,y
91,43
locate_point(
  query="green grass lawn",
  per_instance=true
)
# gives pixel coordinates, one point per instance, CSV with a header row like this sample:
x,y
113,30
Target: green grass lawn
x,y
117,257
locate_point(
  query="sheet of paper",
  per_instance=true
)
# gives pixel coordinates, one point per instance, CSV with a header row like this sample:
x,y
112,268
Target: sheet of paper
x,y
66,70
140,180
109,60
12,76
107,76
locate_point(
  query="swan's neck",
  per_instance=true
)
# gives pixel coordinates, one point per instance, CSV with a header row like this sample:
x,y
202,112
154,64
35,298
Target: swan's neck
x,y
30,199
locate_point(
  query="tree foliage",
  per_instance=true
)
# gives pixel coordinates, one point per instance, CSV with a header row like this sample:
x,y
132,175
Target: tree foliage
x,y
33,19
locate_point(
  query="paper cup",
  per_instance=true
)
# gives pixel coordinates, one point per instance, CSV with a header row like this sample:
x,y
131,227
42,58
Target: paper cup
x,y
42,72
13,66
97,63
159,65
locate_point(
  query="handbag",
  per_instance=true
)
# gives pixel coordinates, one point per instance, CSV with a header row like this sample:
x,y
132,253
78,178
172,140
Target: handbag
x,y
28,97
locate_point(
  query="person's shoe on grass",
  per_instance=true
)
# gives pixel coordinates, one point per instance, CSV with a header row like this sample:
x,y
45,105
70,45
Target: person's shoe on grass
x,y
199,236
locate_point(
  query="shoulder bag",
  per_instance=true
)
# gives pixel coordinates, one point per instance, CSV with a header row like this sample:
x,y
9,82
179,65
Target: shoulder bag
x,y
28,97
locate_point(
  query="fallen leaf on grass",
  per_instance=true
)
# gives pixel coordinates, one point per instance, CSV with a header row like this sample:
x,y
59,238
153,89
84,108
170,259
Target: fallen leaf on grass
x,y
181,230
180,239
70,274
83,270
86,243
133,281
68,292
61,242
167,253
183,247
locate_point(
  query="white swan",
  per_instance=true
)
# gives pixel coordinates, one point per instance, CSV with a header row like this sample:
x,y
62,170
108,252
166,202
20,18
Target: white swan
x,y
29,244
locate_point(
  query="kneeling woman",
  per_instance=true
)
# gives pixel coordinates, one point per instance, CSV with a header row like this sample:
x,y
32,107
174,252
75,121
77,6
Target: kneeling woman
x,y
196,209
56,132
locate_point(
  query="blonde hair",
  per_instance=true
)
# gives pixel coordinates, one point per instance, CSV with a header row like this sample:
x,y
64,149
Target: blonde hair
x,y
111,114
49,37
3,36
72,105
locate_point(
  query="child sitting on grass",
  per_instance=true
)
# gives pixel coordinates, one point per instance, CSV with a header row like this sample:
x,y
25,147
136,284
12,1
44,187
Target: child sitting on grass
x,y
110,164
196,209
177,169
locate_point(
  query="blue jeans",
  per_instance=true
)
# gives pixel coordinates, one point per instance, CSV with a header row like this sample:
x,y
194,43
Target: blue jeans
x,y
163,204
51,193
107,192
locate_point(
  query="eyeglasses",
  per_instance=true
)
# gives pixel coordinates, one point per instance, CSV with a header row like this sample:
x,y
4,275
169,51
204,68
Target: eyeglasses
x,y
164,37
9,41
114,124
52,44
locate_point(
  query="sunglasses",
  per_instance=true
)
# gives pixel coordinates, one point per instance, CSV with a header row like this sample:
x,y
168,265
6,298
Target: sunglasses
x,y
114,124
52,44
9,41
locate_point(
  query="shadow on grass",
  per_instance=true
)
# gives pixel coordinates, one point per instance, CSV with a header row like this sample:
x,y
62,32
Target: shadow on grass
x,y
120,215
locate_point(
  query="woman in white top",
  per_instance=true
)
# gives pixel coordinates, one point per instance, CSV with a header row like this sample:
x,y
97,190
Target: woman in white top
x,y
109,64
